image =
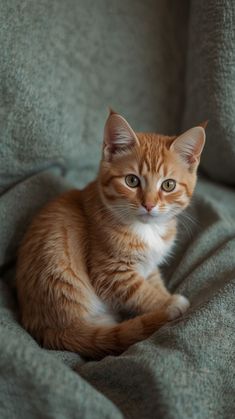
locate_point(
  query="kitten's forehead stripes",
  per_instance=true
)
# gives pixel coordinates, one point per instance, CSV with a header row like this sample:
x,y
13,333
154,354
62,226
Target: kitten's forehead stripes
x,y
152,157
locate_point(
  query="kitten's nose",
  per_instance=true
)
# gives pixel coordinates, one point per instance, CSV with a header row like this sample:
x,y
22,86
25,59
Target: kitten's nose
x,y
149,206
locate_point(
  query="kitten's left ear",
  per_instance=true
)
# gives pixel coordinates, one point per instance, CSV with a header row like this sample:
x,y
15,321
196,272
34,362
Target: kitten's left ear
x,y
190,144
118,135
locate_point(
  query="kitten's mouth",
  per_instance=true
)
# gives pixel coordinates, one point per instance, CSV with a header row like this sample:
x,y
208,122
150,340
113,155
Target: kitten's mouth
x,y
147,216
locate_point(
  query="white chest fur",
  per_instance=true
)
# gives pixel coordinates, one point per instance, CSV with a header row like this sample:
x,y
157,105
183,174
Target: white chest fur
x,y
157,248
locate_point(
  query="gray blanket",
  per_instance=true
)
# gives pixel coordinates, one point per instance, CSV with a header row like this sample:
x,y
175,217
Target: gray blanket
x,y
165,67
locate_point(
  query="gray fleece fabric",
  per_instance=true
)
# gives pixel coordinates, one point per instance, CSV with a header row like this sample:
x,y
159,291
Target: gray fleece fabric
x,y
165,67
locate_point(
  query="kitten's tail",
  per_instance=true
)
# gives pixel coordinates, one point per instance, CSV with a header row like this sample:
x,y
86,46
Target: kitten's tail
x,y
96,341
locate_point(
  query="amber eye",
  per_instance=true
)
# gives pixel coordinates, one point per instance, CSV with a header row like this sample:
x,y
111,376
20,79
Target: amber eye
x,y
168,185
132,181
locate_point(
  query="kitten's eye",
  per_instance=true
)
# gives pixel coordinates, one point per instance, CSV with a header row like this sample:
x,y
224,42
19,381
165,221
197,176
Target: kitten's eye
x,y
132,181
168,185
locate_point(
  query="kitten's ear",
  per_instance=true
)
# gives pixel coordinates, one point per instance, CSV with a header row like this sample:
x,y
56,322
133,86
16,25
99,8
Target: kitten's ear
x,y
190,144
118,135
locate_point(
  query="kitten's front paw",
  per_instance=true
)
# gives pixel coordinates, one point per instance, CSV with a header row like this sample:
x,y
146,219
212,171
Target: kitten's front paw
x,y
177,306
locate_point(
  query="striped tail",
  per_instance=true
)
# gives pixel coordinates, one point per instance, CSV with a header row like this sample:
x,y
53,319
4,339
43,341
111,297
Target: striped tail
x,y
96,341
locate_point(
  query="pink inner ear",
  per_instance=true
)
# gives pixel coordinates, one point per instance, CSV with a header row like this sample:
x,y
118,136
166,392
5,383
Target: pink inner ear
x,y
190,144
118,134
191,159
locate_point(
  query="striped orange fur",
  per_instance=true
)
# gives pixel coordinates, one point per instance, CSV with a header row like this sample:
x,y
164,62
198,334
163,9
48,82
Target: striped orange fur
x,y
91,256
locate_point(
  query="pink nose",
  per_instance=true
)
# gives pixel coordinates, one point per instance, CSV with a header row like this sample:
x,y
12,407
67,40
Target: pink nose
x,y
149,206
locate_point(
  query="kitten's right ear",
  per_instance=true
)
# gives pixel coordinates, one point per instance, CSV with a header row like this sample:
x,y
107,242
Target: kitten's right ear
x,y
118,135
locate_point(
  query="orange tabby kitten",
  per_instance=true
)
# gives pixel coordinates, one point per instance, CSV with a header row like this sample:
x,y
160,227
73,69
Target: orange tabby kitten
x,y
92,254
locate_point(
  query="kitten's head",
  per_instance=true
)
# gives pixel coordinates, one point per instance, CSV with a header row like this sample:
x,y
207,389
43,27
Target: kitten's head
x,y
148,177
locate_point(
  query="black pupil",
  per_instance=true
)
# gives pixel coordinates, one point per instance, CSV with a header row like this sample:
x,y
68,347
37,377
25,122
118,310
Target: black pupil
x,y
132,179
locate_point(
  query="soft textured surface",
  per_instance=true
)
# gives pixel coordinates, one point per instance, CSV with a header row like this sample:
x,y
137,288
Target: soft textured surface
x,y
61,64
210,85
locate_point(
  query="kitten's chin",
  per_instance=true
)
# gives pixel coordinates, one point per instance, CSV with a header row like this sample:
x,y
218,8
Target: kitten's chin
x,y
154,218
148,218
